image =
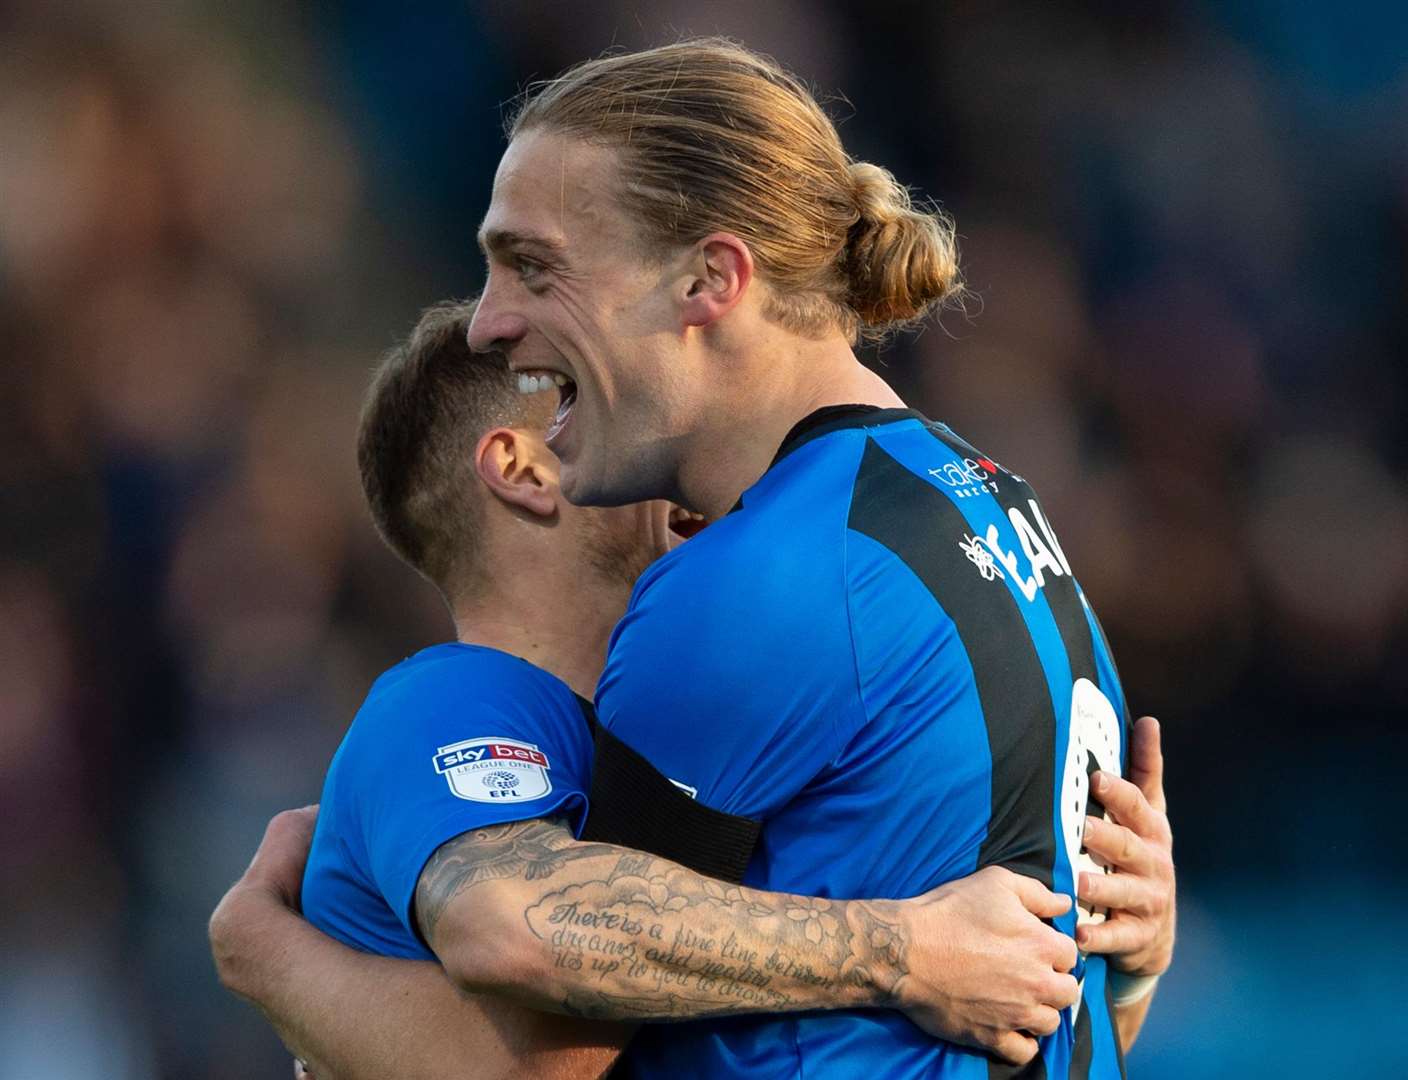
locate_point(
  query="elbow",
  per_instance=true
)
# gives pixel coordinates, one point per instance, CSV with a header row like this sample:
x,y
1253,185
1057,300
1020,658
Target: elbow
x,y
222,952
230,946
488,948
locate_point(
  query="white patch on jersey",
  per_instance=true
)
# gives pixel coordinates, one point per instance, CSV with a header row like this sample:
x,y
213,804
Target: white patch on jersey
x,y
1095,734
494,770
692,792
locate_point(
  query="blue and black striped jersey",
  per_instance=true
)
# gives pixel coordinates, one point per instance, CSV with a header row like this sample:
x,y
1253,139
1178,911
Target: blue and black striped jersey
x,y
883,655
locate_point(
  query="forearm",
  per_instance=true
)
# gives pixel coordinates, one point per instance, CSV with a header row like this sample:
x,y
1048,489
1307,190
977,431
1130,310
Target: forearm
x,y
1129,1019
354,1016
600,931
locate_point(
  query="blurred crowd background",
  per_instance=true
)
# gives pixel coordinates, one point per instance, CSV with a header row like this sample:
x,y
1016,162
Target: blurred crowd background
x,y
1186,225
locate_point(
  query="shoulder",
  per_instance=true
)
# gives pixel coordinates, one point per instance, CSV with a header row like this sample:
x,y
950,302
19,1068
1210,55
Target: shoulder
x,y
458,668
455,737
458,676
788,530
449,693
750,577
752,612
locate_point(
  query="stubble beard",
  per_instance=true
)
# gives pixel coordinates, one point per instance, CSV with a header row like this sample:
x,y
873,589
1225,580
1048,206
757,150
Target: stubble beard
x,y
617,557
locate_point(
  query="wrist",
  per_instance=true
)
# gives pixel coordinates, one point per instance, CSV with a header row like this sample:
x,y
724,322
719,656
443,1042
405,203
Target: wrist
x,y
881,932
1141,965
1127,989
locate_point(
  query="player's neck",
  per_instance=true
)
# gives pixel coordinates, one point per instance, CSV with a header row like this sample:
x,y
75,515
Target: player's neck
x,y
728,457
564,632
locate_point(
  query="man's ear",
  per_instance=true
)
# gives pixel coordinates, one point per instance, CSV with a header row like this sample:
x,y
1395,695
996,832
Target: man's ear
x,y
518,469
719,272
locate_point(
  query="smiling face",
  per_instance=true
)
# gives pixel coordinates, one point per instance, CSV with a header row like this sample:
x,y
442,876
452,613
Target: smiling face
x,y
575,300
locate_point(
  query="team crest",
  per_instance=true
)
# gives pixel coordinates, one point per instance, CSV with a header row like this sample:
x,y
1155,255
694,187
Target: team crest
x,y
494,770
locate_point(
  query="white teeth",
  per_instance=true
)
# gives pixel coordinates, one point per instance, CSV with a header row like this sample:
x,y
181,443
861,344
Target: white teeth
x,y
532,384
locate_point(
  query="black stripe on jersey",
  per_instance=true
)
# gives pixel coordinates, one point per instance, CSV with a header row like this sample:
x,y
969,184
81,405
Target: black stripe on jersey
x,y
1069,614
831,418
923,528
1060,592
1079,643
1084,1048
1110,1008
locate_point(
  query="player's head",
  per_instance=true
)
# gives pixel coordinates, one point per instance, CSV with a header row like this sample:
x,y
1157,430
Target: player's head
x,y
659,218
460,482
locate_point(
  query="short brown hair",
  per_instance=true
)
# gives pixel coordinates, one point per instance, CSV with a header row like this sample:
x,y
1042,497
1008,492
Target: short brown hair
x,y
715,137
430,400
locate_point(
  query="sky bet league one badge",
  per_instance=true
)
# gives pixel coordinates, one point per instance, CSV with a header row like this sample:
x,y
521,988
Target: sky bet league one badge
x,y
494,770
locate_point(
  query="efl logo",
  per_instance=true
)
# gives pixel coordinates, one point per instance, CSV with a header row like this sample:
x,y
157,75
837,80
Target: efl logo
x,y
494,770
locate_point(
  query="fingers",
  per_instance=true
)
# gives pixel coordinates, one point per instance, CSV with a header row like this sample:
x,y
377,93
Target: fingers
x,y
1118,892
288,829
1115,935
1044,1021
1058,949
283,853
1117,846
1038,899
1060,990
1146,761
1015,1048
295,824
1129,806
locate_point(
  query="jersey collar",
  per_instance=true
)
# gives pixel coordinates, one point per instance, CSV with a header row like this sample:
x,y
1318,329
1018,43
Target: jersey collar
x,y
833,418
836,418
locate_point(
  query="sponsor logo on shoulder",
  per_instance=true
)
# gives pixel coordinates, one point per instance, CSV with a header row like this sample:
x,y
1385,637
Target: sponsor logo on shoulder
x,y
968,476
494,770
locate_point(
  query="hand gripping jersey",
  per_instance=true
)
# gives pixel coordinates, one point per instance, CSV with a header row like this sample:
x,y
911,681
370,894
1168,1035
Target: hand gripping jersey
x,y
883,656
455,738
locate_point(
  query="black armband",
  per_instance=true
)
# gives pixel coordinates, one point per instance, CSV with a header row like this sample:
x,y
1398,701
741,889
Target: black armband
x,y
633,804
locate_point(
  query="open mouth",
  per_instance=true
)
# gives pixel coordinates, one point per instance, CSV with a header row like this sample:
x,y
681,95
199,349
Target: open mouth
x,y
567,397
685,523
533,382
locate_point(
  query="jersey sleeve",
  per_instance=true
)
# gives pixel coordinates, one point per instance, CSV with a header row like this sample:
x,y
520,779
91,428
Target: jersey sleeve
x,y
439,760
736,681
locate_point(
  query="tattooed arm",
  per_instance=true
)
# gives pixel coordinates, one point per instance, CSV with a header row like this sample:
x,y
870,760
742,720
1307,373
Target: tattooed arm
x,y
355,1016
525,911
